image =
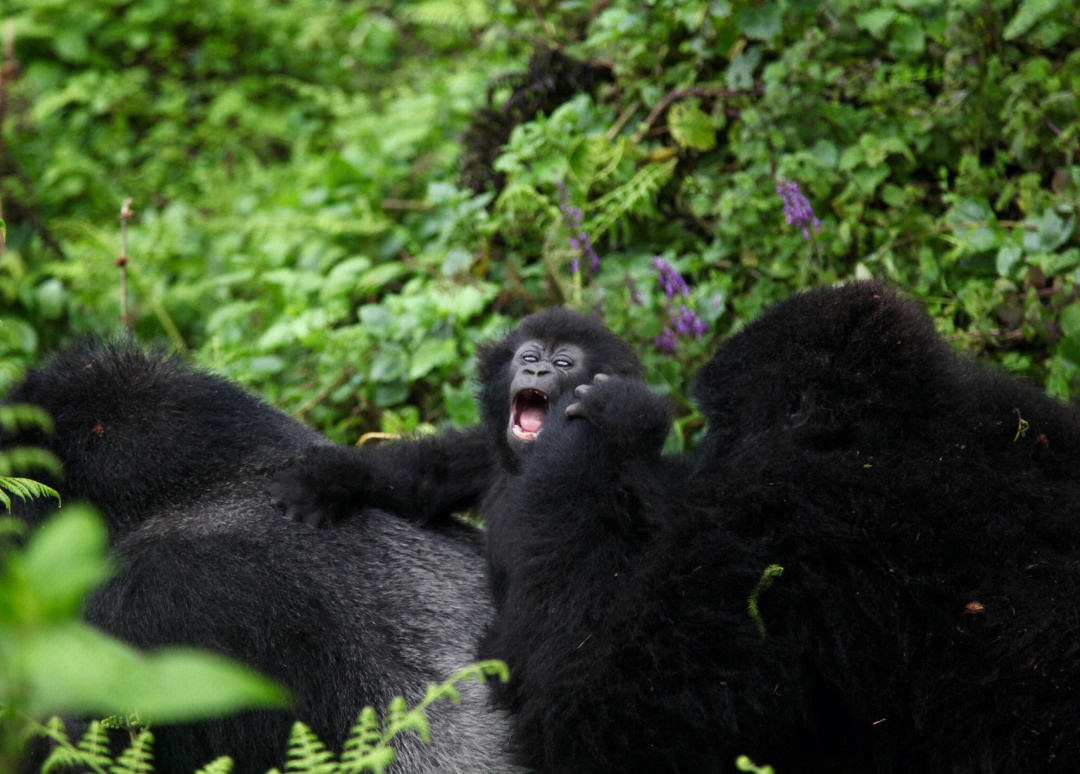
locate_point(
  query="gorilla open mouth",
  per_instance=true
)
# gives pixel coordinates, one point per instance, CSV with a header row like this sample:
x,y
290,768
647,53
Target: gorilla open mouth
x,y
528,414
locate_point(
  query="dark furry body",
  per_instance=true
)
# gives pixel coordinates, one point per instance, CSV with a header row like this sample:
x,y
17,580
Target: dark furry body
x,y
178,461
894,483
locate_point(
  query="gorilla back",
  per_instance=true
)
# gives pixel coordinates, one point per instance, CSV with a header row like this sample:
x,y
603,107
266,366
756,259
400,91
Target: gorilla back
x,y
344,617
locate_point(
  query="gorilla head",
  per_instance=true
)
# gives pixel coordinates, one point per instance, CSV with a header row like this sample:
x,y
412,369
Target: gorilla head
x,y
523,375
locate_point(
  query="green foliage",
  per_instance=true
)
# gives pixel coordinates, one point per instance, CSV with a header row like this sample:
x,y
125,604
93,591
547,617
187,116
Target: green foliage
x,y
50,661
300,227
24,489
742,763
772,572
93,752
367,747
19,459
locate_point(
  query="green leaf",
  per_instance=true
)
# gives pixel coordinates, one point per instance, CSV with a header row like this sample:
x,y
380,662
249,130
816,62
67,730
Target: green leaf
x,y
64,560
464,302
1069,349
1030,12
877,20
1051,232
50,299
909,35
869,178
1070,321
73,668
691,127
430,355
762,23
1008,257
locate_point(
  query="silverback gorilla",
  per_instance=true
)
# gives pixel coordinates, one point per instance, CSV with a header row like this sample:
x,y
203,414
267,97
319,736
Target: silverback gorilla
x,y
177,461
922,507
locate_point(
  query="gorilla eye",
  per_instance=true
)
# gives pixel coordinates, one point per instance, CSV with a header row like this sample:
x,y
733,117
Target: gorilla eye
x,y
564,362
530,357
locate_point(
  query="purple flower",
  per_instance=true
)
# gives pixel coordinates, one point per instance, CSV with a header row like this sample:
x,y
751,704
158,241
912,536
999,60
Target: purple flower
x,y
684,322
670,280
575,218
688,323
667,342
574,266
797,207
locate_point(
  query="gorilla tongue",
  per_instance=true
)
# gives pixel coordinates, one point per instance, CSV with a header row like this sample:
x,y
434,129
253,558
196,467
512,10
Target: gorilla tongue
x,y
531,419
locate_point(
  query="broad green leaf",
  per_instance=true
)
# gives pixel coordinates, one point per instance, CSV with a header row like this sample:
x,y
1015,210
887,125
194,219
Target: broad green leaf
x,y
1051,232
909,35
876,21
691,127
431,354
764,22
64,560
1070,321
73,668
1008,257
1027,15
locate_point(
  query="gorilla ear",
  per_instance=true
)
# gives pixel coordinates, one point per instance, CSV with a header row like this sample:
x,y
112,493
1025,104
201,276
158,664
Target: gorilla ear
x,y
800,409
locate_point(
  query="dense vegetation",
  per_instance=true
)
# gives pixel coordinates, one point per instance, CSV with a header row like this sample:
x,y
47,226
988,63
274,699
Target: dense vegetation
x,y
329,209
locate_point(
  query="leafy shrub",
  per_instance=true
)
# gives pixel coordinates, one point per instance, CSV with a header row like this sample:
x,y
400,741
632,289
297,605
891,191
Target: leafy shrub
x,y
302,226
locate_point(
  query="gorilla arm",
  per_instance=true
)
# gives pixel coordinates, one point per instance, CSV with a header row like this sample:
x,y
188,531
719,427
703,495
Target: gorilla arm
x,y
422,479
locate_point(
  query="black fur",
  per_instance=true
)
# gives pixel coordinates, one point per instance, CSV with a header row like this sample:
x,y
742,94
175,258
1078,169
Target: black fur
x,y
926,618
178,462
425,480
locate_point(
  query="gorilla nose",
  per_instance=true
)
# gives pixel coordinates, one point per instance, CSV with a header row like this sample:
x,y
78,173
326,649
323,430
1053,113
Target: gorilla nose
x,y
537,371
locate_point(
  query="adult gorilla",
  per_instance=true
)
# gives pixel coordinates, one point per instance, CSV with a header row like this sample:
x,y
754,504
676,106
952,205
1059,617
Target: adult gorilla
x,y
178,462
923,510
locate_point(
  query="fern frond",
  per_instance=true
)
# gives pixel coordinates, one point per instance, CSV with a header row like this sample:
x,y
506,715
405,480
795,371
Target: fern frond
x,y
307,754
95,742
222,765
399,718
91,753
635,197
19,459
24,489
138,757
365,749
772,572
522,203
20,416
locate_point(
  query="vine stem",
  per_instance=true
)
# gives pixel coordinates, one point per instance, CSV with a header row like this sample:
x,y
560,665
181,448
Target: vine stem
x,y
126,214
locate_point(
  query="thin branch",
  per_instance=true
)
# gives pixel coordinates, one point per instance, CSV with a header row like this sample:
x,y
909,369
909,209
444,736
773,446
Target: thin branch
x,y
622,120
406,204
126,214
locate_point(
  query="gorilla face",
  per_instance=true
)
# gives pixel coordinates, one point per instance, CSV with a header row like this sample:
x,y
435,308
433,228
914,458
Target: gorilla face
x,y
523,375
540,371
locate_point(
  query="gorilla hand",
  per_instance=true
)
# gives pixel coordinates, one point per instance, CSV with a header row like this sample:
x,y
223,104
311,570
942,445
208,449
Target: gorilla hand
x,y
327,485
630,419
